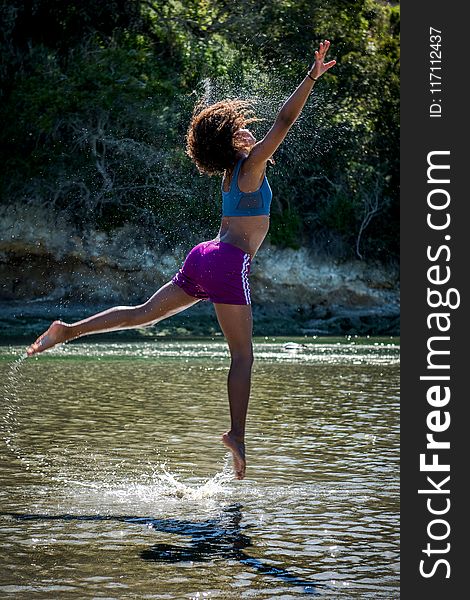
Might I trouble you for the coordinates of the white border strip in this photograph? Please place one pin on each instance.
(245, 282)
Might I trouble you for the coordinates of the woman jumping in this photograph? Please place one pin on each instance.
(217, 270)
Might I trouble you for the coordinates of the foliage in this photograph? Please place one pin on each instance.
(96, 96)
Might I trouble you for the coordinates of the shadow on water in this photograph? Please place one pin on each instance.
(217, 538)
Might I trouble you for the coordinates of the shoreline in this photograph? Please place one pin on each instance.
(26, 320)
(49, 271)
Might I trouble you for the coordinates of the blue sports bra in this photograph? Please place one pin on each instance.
(236, 203)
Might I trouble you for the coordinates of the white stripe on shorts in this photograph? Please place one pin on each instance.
(245, 282)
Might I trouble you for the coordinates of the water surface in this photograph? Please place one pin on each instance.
(115, 484)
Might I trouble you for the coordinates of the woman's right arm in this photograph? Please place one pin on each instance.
(290, 110)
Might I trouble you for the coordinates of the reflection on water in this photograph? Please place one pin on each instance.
(220, 538)
(115, 483)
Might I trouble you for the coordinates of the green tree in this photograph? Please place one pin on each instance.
(96, 96)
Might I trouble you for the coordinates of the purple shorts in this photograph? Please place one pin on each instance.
(216, 271)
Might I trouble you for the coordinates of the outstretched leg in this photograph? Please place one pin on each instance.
(167, 301)
(236, 323)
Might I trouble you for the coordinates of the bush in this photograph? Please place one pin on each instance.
(96, 98)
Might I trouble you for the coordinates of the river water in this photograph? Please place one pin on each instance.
(115, 484)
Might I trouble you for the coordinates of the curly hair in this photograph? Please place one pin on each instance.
(209, 141)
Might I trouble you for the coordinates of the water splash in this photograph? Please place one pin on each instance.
(158, 492)
(171, 486)
(36, 463)
(9, 422)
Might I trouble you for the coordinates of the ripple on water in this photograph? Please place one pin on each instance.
(112, 459)
(316, 352)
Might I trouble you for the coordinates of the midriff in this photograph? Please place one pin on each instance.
(246, 233)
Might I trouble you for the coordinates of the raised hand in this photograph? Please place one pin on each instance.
(319, 67)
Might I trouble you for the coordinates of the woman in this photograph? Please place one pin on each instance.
(217, 270)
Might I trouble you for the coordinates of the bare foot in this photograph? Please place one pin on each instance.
(237, 448)
(56, 334)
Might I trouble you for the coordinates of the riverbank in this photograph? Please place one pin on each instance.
(49, 271)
